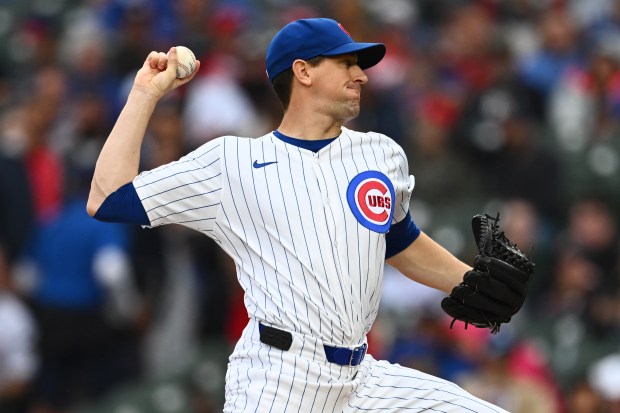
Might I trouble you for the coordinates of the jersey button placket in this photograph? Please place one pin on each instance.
(325, 197)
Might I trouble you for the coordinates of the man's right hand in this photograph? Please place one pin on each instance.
(157, 77)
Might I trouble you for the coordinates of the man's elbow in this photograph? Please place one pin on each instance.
(92, 206)
(95, 198)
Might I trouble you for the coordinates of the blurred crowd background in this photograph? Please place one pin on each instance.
(509, 106)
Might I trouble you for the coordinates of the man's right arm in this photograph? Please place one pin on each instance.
(119, 159)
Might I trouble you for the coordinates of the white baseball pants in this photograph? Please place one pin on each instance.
(262, 378)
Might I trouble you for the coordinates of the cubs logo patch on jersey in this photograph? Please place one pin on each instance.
(370, 195)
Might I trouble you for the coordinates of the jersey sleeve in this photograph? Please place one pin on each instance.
(403, 230)
(185, 192)
(123, 205)
(401, 235)
(403, 185)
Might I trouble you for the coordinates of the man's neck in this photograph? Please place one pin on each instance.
(309, 126)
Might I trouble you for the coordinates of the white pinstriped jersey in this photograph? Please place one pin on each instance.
(306, 230)
(307, 233)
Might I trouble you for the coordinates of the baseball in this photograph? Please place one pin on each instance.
(187, 62)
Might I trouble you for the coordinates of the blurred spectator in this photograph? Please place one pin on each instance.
(431, 346)
(76, 275)
(523, 226)
(587, 98)
(525, 169)
(397, 292)
(16, 216)
(86, 52)
(442, 175)
(603, 23)
(592, 229)
(559, 50)
(137, 27)
(582, 398)
(585, 109)
(501, 385)
(84, 131)
(604, 377)
(569, 332)
(18, 357)
(462, 57)
(387, 99)
(26, 137)
(217, 105)
(401, 317)
(586, 13)
(483, 112)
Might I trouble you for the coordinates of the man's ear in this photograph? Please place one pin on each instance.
(300, 71)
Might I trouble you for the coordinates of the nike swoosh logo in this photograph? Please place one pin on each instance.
(261, 165)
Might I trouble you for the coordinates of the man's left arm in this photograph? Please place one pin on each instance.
(488, 294)
(427, 262)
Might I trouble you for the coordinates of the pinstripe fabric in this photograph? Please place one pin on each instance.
(261, 378)
(306, 260)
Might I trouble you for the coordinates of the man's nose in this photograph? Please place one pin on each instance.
(359, 75)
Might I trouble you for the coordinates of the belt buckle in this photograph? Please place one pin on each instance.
(363, 349)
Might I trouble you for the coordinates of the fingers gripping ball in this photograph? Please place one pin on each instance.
(496, 288)
(187, 62)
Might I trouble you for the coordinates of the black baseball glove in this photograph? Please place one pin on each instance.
(495, 289)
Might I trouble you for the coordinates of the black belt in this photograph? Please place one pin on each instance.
(282, 340)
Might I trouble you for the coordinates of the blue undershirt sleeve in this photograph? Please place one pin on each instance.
(124, 206)
(400, 236)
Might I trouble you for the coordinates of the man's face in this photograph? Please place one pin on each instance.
(337, 83)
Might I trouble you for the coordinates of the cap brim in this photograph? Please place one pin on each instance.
(368, 54)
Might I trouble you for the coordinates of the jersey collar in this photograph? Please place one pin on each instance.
(313, 146)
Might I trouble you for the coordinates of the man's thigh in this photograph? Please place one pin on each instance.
(389, 387)
(256, 390)
(264, 379)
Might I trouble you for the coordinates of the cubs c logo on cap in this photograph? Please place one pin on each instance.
(371, 198)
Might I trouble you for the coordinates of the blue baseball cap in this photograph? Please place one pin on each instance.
(308, 38)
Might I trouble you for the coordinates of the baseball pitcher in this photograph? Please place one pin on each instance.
(310, 213)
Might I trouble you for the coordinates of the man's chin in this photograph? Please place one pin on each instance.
(353, 110)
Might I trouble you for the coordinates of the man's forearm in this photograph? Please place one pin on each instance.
(120, 157)
(428, 263)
